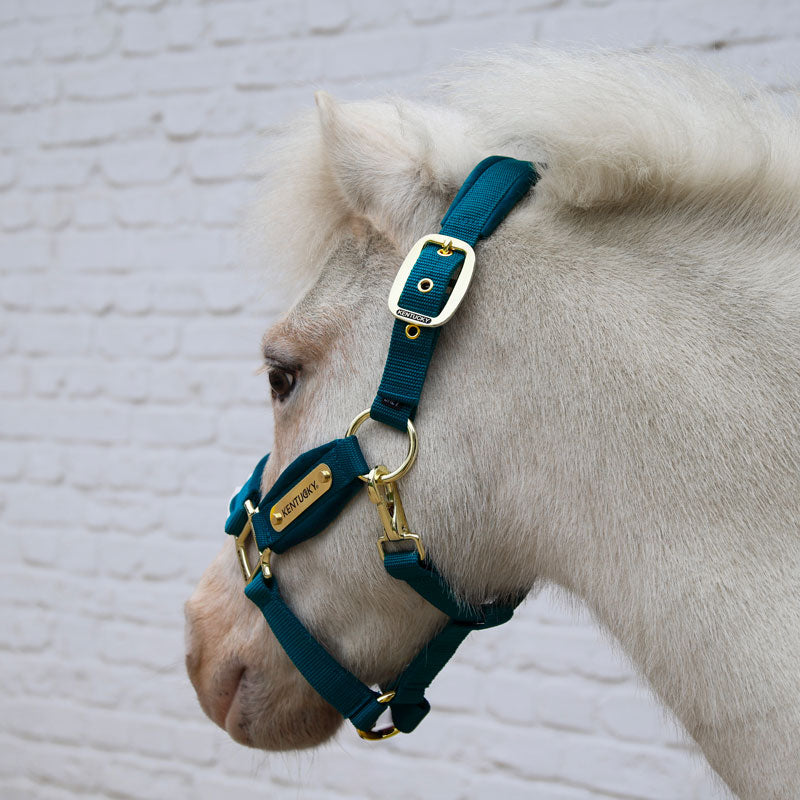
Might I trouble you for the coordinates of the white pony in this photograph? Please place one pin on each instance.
(615, 408)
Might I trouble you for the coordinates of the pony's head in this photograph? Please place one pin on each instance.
(367, 181)
(521, 409)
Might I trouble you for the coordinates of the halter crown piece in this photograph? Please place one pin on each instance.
(315, 487)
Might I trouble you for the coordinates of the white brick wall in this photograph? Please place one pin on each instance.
(128, 404)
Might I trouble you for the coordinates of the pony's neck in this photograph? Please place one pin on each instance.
(671, 433)
(717, 644)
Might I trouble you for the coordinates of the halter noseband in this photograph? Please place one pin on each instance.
(315, 487)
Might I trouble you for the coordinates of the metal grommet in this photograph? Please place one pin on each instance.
(413, 331)
(446, 249)
(410, 458)
(425, 285)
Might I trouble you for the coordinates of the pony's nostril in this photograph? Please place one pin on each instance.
(192, 665)
(216, 692)
(220, 696)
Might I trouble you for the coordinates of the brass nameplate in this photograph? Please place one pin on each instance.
(300, 497)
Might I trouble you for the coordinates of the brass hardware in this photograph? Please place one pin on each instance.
(383, 733)
(301, 497)
(266, 569)
(447, 246)
(377, 736)
(426, 284)
(386, 498)
(413, 331)
(410, 458)
(241, 547)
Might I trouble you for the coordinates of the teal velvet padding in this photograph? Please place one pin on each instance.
(251, 491)
(346, 462)
(486, 197)
(491, 190)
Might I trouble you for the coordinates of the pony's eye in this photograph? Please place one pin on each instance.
(281, 382)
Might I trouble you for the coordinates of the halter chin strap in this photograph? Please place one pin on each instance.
(317, 485)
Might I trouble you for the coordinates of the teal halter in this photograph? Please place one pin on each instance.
(315, 487)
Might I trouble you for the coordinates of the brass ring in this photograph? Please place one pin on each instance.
(425, 285)
(377, 736)
(410, 458)
(413, 331)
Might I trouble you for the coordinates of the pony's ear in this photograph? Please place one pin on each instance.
(394, 168)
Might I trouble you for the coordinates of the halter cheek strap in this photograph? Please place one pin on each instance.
(317, 485)
(492, 189)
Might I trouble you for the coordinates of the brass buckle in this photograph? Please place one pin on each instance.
(249, 571)
(386, 498)
(383, 733)
(447, 245)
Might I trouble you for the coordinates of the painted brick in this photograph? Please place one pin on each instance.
(69, 40)
(133, 164)
(91, 210)
(25, 86)
(92, 124)
(17, 43)
(57, 171)
(142, 34)
(121, 338)
(15, 215)
(101, 82)
(185, 72)
(51, 210)
(330, 17)
(14, 380)
(8, 171)
(48, 9)
(217, 161)
(184, 27)
(172, 427)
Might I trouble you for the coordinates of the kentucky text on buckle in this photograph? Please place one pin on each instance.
(448, 245)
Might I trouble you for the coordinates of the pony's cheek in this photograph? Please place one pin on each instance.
(244, 681)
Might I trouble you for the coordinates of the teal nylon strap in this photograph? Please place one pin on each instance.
(484, 200)
(492, 189)
(409, 704)
(425, 580)
(348, 695)
(352, 698)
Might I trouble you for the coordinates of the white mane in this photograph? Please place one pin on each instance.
(613, 129)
